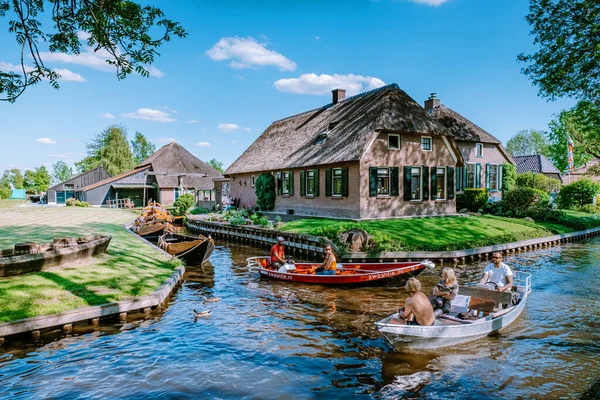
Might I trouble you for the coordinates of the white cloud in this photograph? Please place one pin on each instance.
(165, 140)
(83, 35)
(247, 53)
(248, 129)
(149, 114)
(324, 84)
(228, 127)
(430, 2)
(193, 121)
(203, 144)
(155, 72)
(106, 116)
(46, 140)
(65, 74)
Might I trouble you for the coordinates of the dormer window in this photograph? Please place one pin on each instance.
(393, 142)
(426, 143)
(321, 137)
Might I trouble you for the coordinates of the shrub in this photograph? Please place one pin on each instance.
(255, 218)
(474, 199)
(5, 193)
(577, 194)
(494, 208)
(509, 176)
(71, 202)
(199, 210)
(523, 199)
(538, 181)
(183, 204)
(265, 192)
(237, 220)
(82, 203)
(589, 209)
(264, 222)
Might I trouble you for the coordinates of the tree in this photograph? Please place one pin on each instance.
(118, 28)
(538, 181)
(216, 165)
(110, 149)
(141, 147)
(30, 181)
(38, 180)
(566, 33)
(528, 142)
(582, 124)
(61, 172)
(16, 178)
(5, 180)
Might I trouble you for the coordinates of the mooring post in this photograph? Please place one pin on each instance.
(147, 311)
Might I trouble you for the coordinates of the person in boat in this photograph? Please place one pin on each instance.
(329, 266)
(498, 273)
(278, 254)
(417, 309)
(444, 291)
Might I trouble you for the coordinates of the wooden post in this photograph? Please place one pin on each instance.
(147, 311)
(1, 341)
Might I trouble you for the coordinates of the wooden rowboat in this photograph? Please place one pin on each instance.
(32, 257)
(347, 274)
(153, 220)
(491, 311)
(195, 250)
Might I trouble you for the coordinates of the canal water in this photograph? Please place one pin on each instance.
(271, 340)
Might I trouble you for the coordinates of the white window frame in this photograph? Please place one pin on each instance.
(445, 183)
(333, 178)
(394, 135)
(389, 181)
(253, 181)
(467, 175)
(420, 182)
(479, 146)
(430, 143)
(306, 176)
(497, 178)
(285, 183)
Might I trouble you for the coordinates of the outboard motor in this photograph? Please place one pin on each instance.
(287, 267)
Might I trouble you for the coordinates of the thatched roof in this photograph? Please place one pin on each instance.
(462, 128)
(172, 160)
(350, 126)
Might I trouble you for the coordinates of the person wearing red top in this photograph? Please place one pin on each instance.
(277, 253)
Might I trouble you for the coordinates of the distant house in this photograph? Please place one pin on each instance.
(374, 155)
(163, 176)
(582, 171)
(483, 154)
(537, 164)
(58, 194)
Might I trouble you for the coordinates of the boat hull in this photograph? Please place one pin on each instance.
(193, 250)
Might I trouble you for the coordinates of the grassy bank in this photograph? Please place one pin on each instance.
(130, 268)
(433, 234)
(7, 203)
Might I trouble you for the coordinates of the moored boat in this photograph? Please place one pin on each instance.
(489, 311)
(346, 274)
(195, 250)
(32, 257)
(153, 220)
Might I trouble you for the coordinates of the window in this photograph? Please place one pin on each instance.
(471, 180)
(426, 143)
(493, 177)
(337, 181)
(253, 181)
(383, 181)
(285, 183)
(394, 142)
(310, 182)
(440, 182)
(479, 150)
(177, 193)
(69, 186)
(321, 137)
(416, 189)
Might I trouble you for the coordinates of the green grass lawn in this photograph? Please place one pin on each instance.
(432, 234)
(6, 203)
(130, 268)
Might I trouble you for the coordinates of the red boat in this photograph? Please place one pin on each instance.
(346, 274)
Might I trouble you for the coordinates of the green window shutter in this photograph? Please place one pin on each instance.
(328, 182)
(425, 183)
(450, 177)
(478, 175)
(407, 179)
(433, 183)
(457, 179)
(500, 172)
(464, 182)
(372, 181)
(279, 184)
(345, 182)
(394, 181)
(487, 176)
(291, 183)
(302, 183)
(316, 182)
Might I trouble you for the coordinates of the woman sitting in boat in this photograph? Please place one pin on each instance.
(417, 309)
(329, 266)
(445, 291)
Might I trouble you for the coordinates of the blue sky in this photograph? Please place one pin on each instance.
(245, 64)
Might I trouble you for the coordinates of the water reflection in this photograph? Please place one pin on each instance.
(269, 339)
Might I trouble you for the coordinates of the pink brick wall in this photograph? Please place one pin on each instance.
(491, 155)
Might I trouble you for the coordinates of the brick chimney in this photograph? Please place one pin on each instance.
(338, 95)
(432, 102)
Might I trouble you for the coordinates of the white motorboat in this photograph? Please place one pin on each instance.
(491, 311)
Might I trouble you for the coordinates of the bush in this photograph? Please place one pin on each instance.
(199, 210)
(183, 204)
(5, 193)
(71, 202)
(237, 220)
(264, 222)
(82, 203)
(265, 192)
(509, 177)
(474, 199)
(577, 194)
(589, 209)
(255, 218)
(538, 181)
(523, 199)
(494, 208)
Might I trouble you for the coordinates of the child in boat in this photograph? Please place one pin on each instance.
(445, 291)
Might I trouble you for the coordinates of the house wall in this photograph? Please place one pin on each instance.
(167, 196)
(410, 153)
(491, 155)
(85, 179)
(97, 196)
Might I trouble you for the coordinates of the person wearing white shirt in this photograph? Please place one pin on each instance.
(498, 273)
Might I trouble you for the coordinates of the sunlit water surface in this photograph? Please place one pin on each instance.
(267, 339)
